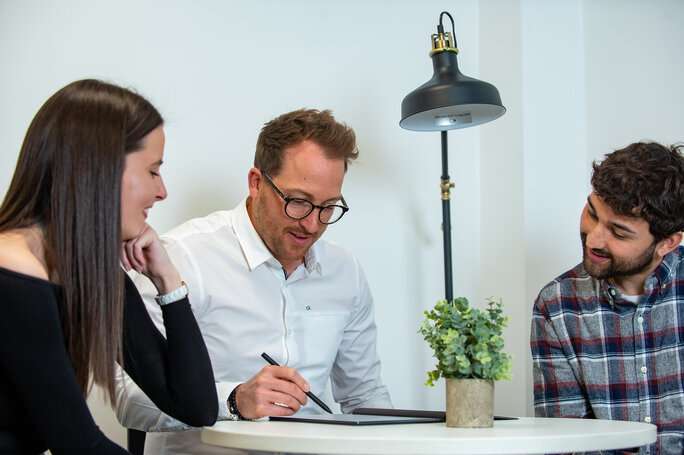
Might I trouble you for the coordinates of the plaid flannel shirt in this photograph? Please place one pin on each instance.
(598, 355)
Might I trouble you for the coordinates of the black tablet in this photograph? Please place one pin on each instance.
(354, 419)
(441, 415)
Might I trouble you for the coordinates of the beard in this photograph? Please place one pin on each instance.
(616, 267)
(274, 231)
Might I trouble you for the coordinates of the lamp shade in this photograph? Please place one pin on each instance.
(450, 100)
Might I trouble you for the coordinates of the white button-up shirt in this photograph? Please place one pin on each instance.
(319, 320)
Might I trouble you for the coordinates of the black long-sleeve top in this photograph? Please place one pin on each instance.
(41, 404)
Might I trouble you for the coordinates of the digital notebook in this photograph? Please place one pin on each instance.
(441, 415)
(354, 419)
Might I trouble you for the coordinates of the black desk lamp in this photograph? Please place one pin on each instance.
(448, 101)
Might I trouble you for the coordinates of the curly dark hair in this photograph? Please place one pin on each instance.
(337, 139)
(644, 180)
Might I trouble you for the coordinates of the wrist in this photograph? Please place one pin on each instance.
(175, 295)
(168, 280)
(232, 406)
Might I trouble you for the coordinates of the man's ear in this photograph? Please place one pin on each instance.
(669, 243)
(254, 182)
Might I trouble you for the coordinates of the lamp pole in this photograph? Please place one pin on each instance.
(449, 100)
(446, 186)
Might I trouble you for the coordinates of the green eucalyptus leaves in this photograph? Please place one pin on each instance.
(467, 342)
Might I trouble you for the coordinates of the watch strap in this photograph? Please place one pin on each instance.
(173, 296)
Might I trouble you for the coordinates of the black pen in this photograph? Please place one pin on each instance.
(308, 394)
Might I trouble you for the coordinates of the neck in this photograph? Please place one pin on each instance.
(627, 286)
(633, 284)
(35, 242)
(288, 266)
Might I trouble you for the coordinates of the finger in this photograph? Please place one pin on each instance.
(124, 258)
(139, 253)
(258, 397)
(278, 409)
(154, 256)
(130, 253)
(292, 375)
(276, 403)
(279, 380)
(142, 243)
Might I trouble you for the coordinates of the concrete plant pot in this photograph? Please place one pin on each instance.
(469, 403)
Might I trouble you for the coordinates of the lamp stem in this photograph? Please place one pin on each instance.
(446, 186)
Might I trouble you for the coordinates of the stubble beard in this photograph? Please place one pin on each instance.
(614, 268)
(275, 237)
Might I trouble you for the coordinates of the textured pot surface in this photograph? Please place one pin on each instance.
(469, 403)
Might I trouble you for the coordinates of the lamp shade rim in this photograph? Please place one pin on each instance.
(451, 117)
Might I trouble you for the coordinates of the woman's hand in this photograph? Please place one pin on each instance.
(147, 255)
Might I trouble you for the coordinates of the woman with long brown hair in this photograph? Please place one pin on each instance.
(75, 211)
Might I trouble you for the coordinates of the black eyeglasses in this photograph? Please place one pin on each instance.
(298, 209)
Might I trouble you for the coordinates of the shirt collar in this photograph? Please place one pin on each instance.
(663, 275)
(667, 269)
(253, 247)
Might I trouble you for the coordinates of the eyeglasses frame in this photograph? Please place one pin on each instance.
(320, 208)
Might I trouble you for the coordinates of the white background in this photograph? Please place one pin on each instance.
(579, 79)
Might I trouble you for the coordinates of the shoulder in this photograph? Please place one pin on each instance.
(17, 256)
(676, 257)
(205, 225)
(330, 253)
(339, 264)
(575, 273)
(574, 284)
(332, 248)
(197, 234)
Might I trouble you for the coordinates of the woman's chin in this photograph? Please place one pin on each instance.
(131, 233)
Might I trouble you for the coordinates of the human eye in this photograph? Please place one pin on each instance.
(618, 235)
(591, 214)
(298, 208)
(300, 203)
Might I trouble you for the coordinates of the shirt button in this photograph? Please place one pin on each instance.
(644, 369)
(612, 292)
(647, 420)
(640, 319)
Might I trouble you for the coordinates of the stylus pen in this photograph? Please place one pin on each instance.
(308, 394)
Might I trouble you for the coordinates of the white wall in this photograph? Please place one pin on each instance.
(579, 78)
(555, 171)
(597, 76)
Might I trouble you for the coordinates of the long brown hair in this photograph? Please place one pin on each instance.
(68, 180)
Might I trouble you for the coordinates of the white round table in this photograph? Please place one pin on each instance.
(527, 435)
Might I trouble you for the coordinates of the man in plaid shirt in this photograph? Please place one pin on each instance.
(607, 336)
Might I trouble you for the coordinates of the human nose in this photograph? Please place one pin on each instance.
(161, 190)
(596, 237)
(310, 222)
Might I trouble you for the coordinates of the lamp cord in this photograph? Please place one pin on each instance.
(440, 27)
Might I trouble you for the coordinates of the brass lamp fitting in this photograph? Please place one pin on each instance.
(442, 42)
(446, 186)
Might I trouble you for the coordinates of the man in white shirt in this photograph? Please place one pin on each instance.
(262, 280)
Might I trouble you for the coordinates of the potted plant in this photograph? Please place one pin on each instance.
(467, 344)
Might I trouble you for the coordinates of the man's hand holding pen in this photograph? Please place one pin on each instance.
(275, 390)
